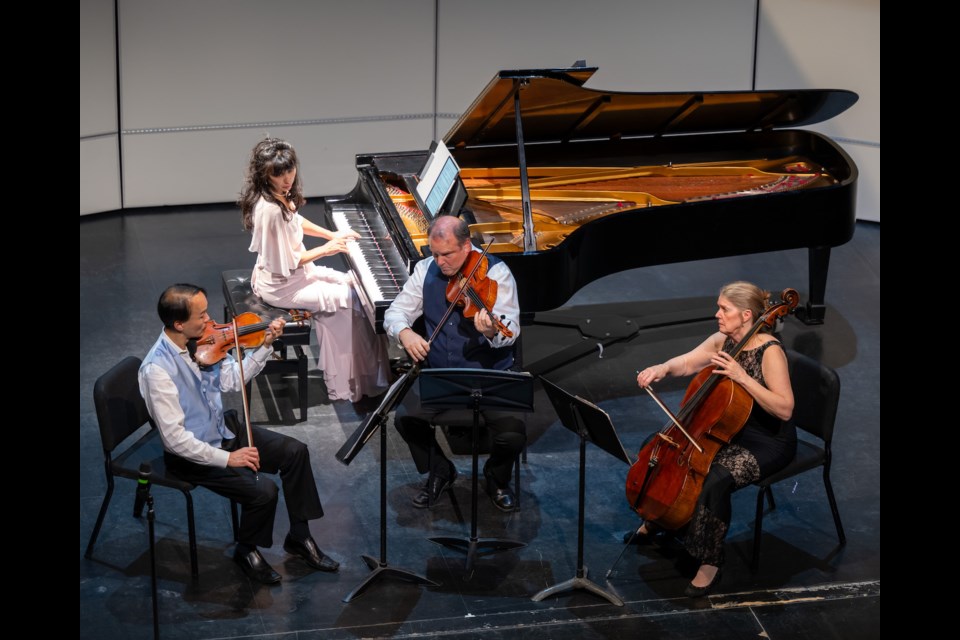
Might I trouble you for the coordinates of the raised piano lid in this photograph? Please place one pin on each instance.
(556, 107)
(565, 124)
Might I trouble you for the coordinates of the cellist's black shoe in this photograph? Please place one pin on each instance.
(256, 567)
(698, 592)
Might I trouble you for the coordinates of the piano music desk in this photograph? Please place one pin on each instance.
(239, 299)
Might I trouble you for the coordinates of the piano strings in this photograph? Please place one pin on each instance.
(563, 198)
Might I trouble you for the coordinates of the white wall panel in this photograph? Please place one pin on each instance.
(654, 45)
(825, 44)
(868, 185)
(98, 68)
(830, 44)
(208, 166)
(99, 154)
(99, 175)
(187, 63)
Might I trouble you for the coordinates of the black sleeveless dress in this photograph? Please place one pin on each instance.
(771, 441)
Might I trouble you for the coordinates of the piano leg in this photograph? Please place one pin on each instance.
(818, 264)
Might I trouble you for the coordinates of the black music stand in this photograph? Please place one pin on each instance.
(592, 423)
(349, 450)
(476, 389)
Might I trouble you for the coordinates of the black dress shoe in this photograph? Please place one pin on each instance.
(308, 550)
(503, 499)
(256, 567)
(698, 592)
(431, 491)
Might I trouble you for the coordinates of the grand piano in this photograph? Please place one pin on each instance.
(571, 184)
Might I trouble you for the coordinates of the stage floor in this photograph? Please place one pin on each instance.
(807, 586)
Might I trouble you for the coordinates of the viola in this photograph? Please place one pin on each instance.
(476, 292)
(218, 339)
(664, 483)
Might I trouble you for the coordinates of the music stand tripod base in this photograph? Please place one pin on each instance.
(578, 582)
(379, 567)
(476, 389)
(590, 423)
(476, 547)
(382, 570)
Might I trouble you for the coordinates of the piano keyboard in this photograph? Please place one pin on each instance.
(374, 259)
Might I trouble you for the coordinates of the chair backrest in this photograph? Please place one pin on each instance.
(816, 391)
(120, 407)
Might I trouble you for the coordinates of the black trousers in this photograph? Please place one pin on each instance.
(257, 494)
(414, 422)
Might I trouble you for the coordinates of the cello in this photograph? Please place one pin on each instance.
(664, 483)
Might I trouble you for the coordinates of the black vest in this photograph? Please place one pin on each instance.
(458, 344)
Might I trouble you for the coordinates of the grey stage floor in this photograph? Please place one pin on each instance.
(807, 586)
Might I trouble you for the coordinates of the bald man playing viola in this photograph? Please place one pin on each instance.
(461, 342)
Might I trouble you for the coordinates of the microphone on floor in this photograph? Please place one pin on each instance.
(143, 489)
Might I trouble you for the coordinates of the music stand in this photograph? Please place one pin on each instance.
(591, 423)
(476, 389)
(349, 450)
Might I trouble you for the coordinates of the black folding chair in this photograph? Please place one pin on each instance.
(816, 390)
(121, 413)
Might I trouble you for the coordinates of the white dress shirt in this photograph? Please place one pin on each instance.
(163, 404)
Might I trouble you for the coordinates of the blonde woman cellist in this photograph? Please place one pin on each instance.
(765, 444)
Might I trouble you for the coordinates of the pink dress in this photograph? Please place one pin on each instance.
(353, 358)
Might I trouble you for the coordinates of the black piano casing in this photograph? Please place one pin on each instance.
(816, 218)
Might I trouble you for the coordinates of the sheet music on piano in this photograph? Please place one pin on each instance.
(439, 177)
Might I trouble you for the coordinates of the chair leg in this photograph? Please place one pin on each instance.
(101, 515)
(302, 381)
(770, 500)
(192, 529)
(758, 531)
(516, 478)
(235, 519)
(833, 504)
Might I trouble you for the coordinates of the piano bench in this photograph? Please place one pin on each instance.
(240, 298)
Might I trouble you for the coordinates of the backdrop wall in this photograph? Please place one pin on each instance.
(173, 95)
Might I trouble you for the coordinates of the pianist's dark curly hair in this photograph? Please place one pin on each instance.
(271, 157)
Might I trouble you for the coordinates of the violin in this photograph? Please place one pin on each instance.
(218, 339)
(476, 292)
(664, 483)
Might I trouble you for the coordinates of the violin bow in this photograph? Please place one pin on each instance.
(243, 390)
